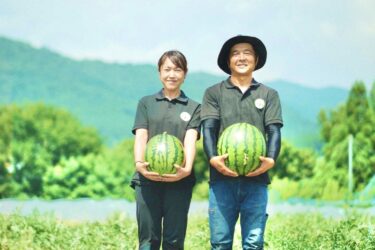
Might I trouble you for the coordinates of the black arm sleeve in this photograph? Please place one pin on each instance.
(273, 140)
(210, 136)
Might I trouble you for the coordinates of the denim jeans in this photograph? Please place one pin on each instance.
(229, 199)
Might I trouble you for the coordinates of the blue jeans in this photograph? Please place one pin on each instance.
(227, 200)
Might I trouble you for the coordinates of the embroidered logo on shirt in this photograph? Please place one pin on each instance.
(260, 103)
(185, 116)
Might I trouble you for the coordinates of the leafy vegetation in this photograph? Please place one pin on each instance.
(301, 231)
(46, 152)
(355, 117)
(313, 231)
(294, 163)
(36, 137)
(301, 174)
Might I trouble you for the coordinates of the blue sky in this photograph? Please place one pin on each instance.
(314, 43)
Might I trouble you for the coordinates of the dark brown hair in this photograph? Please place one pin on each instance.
(177, 59)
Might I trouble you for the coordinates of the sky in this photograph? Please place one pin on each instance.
(310, 42)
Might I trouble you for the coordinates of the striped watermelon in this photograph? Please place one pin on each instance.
(162, 152)
(243, 143)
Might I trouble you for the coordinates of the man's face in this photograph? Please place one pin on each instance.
(242, 59)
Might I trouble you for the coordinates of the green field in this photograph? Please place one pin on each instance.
(300, 231)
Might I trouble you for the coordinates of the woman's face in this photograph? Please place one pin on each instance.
(171, 75)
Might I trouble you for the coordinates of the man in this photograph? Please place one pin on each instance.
(240, 99)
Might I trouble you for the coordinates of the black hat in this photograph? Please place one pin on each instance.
(257, 44)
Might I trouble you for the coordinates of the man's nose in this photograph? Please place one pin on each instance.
(242, 56)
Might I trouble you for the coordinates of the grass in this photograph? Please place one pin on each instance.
(300, 231)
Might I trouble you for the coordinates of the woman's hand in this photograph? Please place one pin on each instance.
(181, 172)
(141, 168)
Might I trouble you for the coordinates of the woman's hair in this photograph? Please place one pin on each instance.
(177, 59)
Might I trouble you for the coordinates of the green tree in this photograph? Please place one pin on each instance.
(201, 170)
(5, 139)
(355, 117)
(293, 163)
(372, 96)
(201, 166)
(37, 136)
(121, 162)
(93, 176)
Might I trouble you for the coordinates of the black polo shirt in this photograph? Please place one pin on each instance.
(158, 114)
(259, 106)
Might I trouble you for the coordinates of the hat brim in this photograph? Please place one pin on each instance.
(257, 44)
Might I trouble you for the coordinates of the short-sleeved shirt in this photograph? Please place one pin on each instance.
(259, 106)
(158, 114)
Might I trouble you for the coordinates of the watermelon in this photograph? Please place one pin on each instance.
(243, 143)
(162, 152)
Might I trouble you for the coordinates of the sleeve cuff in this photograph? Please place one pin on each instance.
(138, 127)
(277, 121)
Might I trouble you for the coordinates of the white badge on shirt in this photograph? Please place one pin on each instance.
(260, 103)
(185, 116)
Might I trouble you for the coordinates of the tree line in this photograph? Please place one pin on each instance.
(46, 152)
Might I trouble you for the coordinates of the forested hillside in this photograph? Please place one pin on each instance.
(104, 95)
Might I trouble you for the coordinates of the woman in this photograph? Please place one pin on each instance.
(163, 201)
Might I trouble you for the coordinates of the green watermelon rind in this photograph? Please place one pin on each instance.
(162, 162)
(243, 152)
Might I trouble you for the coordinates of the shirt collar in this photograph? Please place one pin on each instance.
(181, 98)
(229, 85)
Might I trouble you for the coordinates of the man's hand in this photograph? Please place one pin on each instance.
(267, 163)
(141, 167)
(218, 162)
(181, 173)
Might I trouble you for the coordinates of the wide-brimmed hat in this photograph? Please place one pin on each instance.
(260, 50)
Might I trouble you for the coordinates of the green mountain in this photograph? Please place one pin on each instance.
(105, 95)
